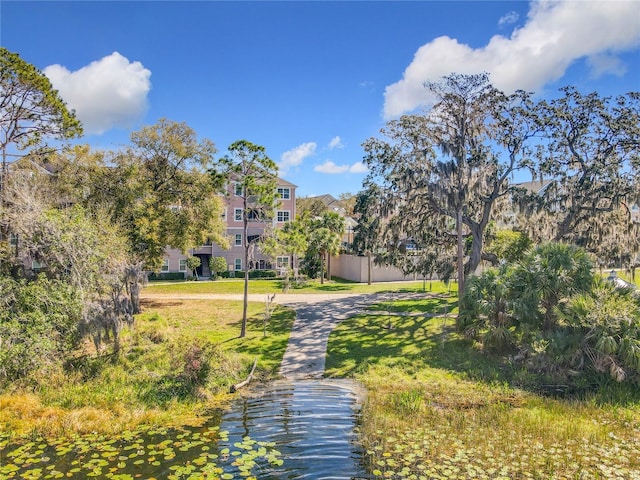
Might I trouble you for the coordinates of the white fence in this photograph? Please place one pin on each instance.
(356, 269)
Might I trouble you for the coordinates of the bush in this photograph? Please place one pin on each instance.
(608, 321)
(166, 276)
(218, 266)
(232, 274)
(200, 364)
(562, 320)
(263, 274)
(39, 326)
(196, 364)
(253, 274)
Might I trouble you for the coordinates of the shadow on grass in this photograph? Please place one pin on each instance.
(269, 348)
(147, 303)
(436, 305)
(423, 341)
(333, 288)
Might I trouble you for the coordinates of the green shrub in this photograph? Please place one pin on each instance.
(218, 266)
(263, 274)
(608, 321)
(562, 321)
(166, 276)
(39, 325)
(253, 274)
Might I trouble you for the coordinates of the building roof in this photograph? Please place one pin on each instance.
(534, 186)
(329, 201)
(284, 183)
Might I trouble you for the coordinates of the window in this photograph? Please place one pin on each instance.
(183, 265)
(253, 238)
(253, 215)
(282, 262)
(13, 239)
(165, 265)
(237, 264)
(238, 241)
(36, 266)
(237, 189)
(284, 193)
(283, 216)
(237, 214)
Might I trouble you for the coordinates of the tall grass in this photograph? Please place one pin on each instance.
(437, 407)
(143, 384)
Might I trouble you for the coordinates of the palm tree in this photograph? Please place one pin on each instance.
(325, 242)
(324, 238)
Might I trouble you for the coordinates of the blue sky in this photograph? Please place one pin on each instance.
(310, 81)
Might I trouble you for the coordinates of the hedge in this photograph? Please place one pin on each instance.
(166, 276)
(253, 274)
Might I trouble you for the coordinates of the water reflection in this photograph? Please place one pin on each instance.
(312, 422)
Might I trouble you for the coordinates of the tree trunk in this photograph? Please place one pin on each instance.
(245, 300)
(460, 251)
(369, 269)
(476, 252)
(328, 266)
(134, 296)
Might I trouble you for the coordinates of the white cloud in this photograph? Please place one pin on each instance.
(601, 64)
(509, 18)
(555, 35)
(331, 168)
(295, 156)
(358, 167)
(110, 92)
(336, 142)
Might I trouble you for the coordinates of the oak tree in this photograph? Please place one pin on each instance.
(453, 162)
(160, 190)
(589, 163)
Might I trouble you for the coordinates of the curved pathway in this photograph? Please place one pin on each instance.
(316, 317)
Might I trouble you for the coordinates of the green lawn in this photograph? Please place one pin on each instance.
(437, 407)
(627, 276)
(264, 286)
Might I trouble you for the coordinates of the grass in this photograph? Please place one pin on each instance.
(265, 286)
(143, 385)
(437, 407)
(625, 275)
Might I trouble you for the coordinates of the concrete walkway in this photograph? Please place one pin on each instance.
(316, 317)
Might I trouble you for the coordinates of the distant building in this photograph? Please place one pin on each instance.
(336, 206)
(175, 260)
(332, 204)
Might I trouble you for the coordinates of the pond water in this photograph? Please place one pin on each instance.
(305, 429)
(313, 423)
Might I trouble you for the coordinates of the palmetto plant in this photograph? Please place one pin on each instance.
(486, 310)
(608, 320)
(547, 277)
(551, 309)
